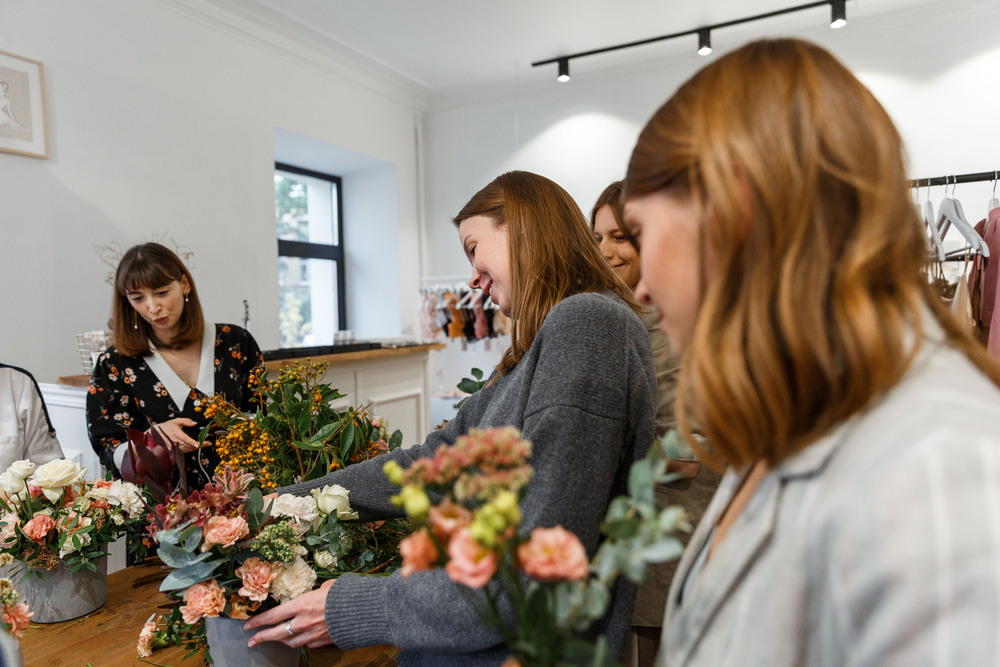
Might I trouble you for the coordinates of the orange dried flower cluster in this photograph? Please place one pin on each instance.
(249, 447)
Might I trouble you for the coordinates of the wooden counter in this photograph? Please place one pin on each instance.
(108, 635)
(362, 355)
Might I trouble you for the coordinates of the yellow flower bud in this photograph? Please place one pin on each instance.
(506, 504)
(483, 533)
(394, 472)
(416, 504)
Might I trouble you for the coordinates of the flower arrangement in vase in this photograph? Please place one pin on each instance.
(55, 523)
(554, 593)
(236, 552)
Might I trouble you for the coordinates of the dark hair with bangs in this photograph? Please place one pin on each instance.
(148, 266)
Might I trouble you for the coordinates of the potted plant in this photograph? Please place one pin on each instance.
(56, 525)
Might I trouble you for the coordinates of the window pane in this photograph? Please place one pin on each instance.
(307, 293)
(305, 208)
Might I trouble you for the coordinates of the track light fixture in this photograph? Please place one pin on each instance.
(838, 13)
(838, 19)
(704, 42)
(563, 70)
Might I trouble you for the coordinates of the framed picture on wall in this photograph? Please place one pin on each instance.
(22, 107)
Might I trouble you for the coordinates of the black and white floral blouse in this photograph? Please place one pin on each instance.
(136, 392)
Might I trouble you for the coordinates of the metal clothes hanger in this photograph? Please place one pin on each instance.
(994, 202)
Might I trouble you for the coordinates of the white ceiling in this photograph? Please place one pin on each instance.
(445, 45)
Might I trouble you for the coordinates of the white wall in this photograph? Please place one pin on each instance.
(161, 120)
(934, 67)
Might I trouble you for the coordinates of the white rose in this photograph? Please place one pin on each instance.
(54, 476)
(12, 485)
(21, 469)
(300, 508)
(325, 560)
(127, 496)
(68, 547)
(334, 498)
(293, 581)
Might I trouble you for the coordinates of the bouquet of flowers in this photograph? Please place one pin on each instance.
(50, 514)
(296, 434)
(554, 592)
(16, 616)
(235, 552)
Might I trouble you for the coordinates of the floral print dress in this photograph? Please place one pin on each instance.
(137, 392)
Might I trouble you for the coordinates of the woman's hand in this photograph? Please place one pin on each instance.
(306, 619)
(173, 432)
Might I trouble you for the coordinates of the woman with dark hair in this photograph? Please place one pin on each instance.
(696, 483)
(857, 521)
(577, 381)
(164, 361)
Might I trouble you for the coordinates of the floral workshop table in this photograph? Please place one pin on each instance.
(108, 635)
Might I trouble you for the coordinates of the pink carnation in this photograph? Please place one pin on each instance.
(447, 517)
(471, 563)
(553, 553)
(203, 599)
(17, 617)
(145, 645)
(224, 531)
(418, 552)
(257, 576)
(38, 527)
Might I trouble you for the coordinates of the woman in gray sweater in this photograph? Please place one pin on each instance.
(577, 380)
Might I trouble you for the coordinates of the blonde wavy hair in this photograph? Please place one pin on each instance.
(813, 302)
(552, 252)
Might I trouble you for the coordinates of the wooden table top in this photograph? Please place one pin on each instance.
(108, 635)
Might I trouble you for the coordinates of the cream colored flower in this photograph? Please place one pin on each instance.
(293, 581)
(300, 508)
(13, 485)
(325, 559)
(334, 498)
(21, 469)
(6, 558)
(127, 496)
(56, 475)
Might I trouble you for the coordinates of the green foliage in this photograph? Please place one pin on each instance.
(471, 385)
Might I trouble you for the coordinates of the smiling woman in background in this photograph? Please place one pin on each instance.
(693, 491)
(858, 521)
(164, 361)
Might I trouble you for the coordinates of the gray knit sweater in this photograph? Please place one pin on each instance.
(584, 394)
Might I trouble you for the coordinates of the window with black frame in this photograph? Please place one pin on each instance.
(307, 207)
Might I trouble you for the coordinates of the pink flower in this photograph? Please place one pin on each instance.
(17, 617)
(511, 662)
(38, 527)
(224, 531)
(553, 553)
(257, 576)
(8, 534)
(471, 563)
(203, 599)
(447, 517)
(418, 552)
(34, 491)
(145, 646)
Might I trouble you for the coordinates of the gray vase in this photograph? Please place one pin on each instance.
(60, 595)
(227, 644)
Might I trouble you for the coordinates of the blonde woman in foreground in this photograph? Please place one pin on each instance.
(859, 519)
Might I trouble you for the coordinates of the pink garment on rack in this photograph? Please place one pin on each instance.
(479, 326)
(990, 231)
(988, 311)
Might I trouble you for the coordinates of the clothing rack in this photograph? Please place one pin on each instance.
(957, 178)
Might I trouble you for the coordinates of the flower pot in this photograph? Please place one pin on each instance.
(61, 595)
(227, 644)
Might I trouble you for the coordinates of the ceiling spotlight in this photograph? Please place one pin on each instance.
(704, 42)
(563, 70)
(838, 13)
